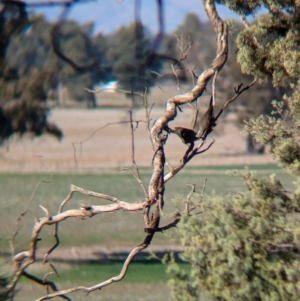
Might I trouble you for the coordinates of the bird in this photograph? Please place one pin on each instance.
(187, 136)
(205, 126)
(207, 121)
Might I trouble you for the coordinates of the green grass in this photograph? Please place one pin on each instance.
(141, 281)
(90, 273)
(107, 230)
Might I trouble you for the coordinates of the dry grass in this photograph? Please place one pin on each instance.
(111, 146)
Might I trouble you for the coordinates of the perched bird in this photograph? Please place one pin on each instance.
(207, 121)
(186, 135)
(204, 126)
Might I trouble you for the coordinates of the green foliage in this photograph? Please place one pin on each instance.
(181, 283)
(31, 71)
(243, 8)
(269, 48)
(24, 77)
(245, 245)
(281, 134)
(240, 246)
(13, 20)
(131, 54)
(78, 44)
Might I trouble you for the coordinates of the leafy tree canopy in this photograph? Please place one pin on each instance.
(245, 246)
(130, 50)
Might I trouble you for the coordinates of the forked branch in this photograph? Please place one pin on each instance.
(153, 203)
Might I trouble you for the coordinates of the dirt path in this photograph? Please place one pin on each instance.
(111, 146)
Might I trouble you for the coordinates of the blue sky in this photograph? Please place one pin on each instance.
(108, 15)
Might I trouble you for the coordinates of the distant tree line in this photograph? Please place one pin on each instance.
(37, 57)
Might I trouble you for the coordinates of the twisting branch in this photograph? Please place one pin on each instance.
(209, 122)
(117, 278)
(222, 49)
(24, 259)
(55, 41)
(156, 186)
(153, 203)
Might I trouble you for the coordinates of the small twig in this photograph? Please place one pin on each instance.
(45, 210)
(46, 283)
(136, 173)
(182, 163)
(206, 149)
(166, 227)
(177, 78)
(184, 49)
(93, 133)
(238, 91)
(188, 199)
(203, 191)
(171, 168)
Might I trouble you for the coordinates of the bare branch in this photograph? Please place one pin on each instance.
(24, 259)
(172, 224)
(147, 115)
(136, 172)
(238, 91)
(25, 212)
(188, 199)
(184, 161)
(171, 109)
(55, 41)
(117, 278)
(44, 282)
(93, 133)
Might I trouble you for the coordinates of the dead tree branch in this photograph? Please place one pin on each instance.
(24, 259)
(101, 285)
(153, 203)
(46, 283)
(93, 133)
(238, 91)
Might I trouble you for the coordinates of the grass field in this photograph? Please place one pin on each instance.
(120, 229)
(25, 163)
(142, 280)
